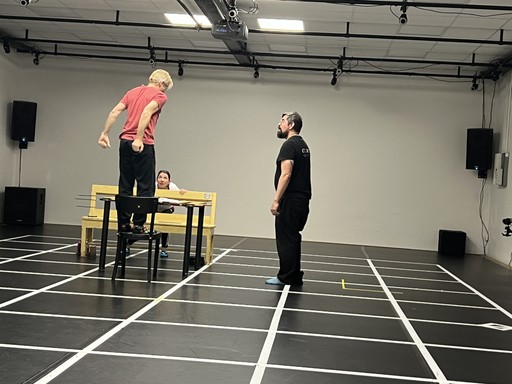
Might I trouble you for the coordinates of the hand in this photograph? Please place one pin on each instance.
(137, 145)
(183, 191)
(104, 141)
(274, 209)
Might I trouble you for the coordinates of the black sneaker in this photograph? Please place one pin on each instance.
(126, 228)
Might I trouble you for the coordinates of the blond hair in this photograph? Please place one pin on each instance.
(159, 76)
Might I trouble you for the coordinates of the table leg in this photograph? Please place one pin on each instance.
(104, 233)
(188, 237)
(199, 240)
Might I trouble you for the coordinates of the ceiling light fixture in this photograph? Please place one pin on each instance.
(281, 25)
(184, 20)
(403, 17)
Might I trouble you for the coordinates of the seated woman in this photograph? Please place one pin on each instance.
(164, 181)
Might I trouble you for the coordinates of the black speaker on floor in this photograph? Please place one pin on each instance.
(24, 205)
(479, 149)
(23, 120)
(451, 243)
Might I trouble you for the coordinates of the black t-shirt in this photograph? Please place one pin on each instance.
(296, 149)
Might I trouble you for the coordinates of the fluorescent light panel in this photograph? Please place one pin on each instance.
(281, 24)
(183, 19)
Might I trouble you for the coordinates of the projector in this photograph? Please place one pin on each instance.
(230, 30)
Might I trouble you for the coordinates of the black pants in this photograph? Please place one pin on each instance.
(139, 167)
(293, 214)
(165, 240)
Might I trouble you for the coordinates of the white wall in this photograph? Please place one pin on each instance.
(388, 154)
(500, 247)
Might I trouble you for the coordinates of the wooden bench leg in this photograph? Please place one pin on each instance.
(86, 239)
(209, 249)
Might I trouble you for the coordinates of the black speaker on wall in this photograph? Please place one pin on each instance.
(23, 121)
(24, 205)
(479, 149)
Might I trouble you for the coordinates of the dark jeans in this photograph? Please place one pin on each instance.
(293, 214)
(136, 167)
(165, 240)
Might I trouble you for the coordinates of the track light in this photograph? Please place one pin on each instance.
(402, 19)
(7, 46)
(334, 79)
(495, 75)
(337, 72)
(233, 13)
(180, 68)
(256, 72)
(474, 84)
(508, 231)
(152, 57)
(24, 3)
(36, 58)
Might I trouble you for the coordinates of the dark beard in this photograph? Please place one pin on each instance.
(281, 134)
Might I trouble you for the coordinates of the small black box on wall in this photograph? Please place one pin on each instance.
(451, 243)
(24, 205)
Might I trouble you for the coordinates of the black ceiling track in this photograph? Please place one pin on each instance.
(414, 4)
(246, 53)
(346, 35)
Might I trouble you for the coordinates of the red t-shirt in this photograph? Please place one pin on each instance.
(136, 100)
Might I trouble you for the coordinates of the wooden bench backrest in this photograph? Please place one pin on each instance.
(96, 205)
(209, 198)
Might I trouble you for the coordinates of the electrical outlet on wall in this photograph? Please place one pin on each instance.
(500, 169)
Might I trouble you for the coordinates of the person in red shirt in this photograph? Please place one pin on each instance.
(136, 148)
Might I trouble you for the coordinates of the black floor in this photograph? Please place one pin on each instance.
(364, 315)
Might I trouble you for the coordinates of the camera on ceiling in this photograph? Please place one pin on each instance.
(233, 13)
(24, 3)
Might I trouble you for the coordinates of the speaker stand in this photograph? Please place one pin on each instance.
(19, 168)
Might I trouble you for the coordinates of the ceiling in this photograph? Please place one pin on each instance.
(451, 41)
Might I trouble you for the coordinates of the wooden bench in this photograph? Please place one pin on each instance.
(165, 222)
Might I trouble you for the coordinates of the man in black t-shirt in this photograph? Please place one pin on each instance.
(290, 206)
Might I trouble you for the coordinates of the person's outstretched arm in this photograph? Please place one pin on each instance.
(104, 140)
